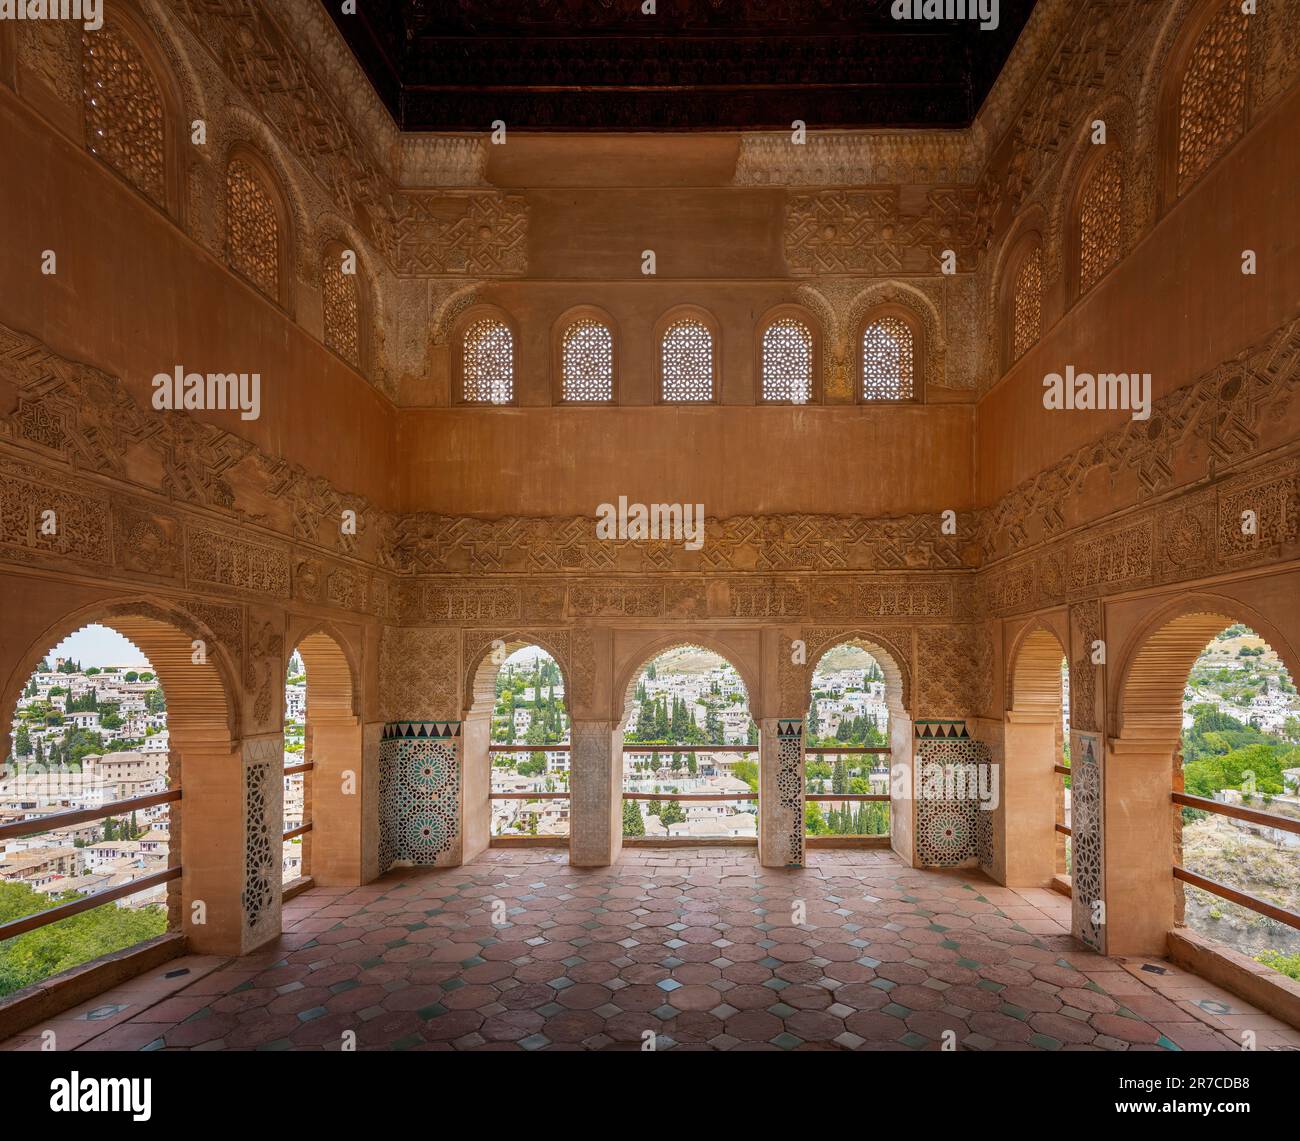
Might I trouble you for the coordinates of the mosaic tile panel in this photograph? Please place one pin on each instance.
(419, 792)
(1086, 855)
(950, 768)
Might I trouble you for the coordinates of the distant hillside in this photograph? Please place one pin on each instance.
(688, 660)
(845, 658)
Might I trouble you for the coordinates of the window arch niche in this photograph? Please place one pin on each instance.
(1022, 301)
(788, 355)
(258, 235)
(890, 347)
(132, 110)
(483, 347)
(585, 357)
(343, 303)
(1205, 96)
(1098, 218)
(687, 341)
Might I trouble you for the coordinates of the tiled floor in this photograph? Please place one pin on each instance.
(701, 948)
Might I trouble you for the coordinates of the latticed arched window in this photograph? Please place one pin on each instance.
(125, 121)
(488, 360)
(888, 360)
(1027, 304)
(587, 361)
(342, 300)
(1212, 99)
(252, 228)
(688, 361)
(1099, 220)
(787, 361)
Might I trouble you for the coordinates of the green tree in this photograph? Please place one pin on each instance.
(35, 956)
(840, 779)
(814, 823)
(672, 813)
(713, 727)
(748, 772)
(23, 741)
(633, 824)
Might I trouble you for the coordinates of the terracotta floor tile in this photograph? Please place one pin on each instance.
(698, 947)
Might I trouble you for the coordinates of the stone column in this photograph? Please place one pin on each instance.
(596, 793)
(337, 800)
(1138, 829)
(1028, 833)
(476, 784)
(780, 793)
(230, 835)
(902, 802)
(420, 794)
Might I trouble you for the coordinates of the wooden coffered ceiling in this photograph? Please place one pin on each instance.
(695, 65)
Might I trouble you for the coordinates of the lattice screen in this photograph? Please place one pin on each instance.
(587, 361)
(1027, 304)
(787, 361)
(489, 363)
(1100, 220)
(688, 362)
(252, 228)
(1212, 100)
(342, 310)
(888, 360)
(124, 111)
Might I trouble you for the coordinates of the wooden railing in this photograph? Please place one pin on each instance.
(306, 825)
(39, 825)
(1223, 891)
(1064, 771)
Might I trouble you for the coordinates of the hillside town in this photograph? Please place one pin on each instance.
(86, 737)
(82, 739)
(295, 784)
(693, 704)
(1241, 746)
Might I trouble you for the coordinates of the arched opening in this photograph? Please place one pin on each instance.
(1240, 749)
(259, 234)
(133, 110)
(109, 724)
(690, 751)
(483, 356)
(1186, 742)
(89, 733)
(788, 355)
(688, 340)
(344, 318)
(1205, 95)
(1035, 800)
(846, 746)
(324, 789)
(889, 361)
(297, 790)
(515, 749)
(529, 795)
(585, 356)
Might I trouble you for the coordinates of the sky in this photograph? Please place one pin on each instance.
(98, 646)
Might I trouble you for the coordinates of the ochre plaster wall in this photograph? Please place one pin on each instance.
(134, 296)
(1177, 306)
(770, 460)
